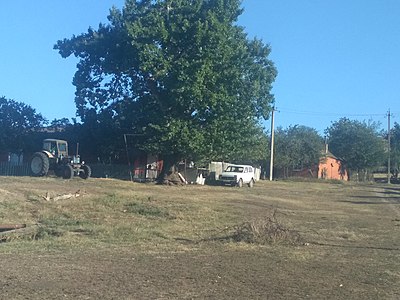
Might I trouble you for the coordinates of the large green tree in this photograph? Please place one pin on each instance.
(297, 147)
(395, 148)
(180, 72)
(17, 123)
(360, 144)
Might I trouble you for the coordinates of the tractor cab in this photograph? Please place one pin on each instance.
(57, 148)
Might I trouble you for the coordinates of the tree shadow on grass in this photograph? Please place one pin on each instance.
(378, 200)
(390, 191)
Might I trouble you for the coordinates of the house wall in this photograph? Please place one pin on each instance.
(146, 167)
(153, 167)
(332, 168)
(14, 159)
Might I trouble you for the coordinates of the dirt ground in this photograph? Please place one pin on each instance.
(351, 248)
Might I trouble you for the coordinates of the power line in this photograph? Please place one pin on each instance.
(300, 112)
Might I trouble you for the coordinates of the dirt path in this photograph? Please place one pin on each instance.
(249, 274)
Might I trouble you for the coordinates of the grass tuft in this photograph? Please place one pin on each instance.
(145, 209)
(44, 232)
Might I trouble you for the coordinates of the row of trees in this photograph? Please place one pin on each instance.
(362, 145)
(18, 122)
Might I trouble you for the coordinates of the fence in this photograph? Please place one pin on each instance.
(110, 171)
(98, 170)
(118, 171)
(10, 169)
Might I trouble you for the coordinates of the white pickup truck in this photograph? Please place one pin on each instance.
(237, 175)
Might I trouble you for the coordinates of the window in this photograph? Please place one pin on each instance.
(62, 147)
(47, 146)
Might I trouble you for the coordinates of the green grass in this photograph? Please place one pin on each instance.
(145, 209)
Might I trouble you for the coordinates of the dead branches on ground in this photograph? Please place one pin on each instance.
(62, 197)
(266, 230)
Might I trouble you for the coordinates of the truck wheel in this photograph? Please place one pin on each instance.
(86, 173)
(68, 172)
(39, 164)
(251, 183)
(240, 183)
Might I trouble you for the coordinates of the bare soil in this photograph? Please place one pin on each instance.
(351, 247)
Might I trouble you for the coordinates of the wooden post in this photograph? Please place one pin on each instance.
(271, 165)
(389, 174)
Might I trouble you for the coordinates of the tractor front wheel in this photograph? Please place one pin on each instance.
(68, 172)
(86, 172)
(39, 164)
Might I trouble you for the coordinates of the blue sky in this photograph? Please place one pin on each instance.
(334, 58)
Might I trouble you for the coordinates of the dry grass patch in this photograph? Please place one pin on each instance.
(265, 231)
(201, 241)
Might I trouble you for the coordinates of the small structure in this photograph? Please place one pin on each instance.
(331, 167)
(146, 167)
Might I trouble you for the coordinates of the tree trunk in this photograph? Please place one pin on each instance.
(349, 175)
(169, 163)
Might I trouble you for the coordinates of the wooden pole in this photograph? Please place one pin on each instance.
(389, 174)
(271, 165)
(127, 156)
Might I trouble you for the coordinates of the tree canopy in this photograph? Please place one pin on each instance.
(297, 147)
(182, 73)
(359, 143)
(17, 121)
(395, 147)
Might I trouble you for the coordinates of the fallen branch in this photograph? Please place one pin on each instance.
(5, 227)
(62, 197)
(18, 233)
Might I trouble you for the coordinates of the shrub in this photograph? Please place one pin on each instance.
(267, 230)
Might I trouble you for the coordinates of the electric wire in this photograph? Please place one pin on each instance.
(323, 114)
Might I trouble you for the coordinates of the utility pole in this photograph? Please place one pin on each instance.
(271, 165)
(389, 174)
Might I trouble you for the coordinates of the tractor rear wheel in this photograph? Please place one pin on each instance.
(86, 173)
(68, 172)
(39, 164)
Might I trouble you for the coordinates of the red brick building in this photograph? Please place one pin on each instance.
(331, 167)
